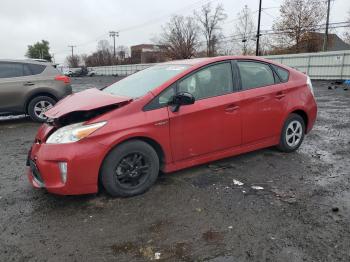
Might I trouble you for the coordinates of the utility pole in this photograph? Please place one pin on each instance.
(325, 39)
(113, 34)
(258, 32)
(72, 47)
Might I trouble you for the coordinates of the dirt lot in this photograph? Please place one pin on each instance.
(300, 213)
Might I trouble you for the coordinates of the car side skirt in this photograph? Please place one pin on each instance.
(268, 142)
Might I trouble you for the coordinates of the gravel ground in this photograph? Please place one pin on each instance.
(290, 207)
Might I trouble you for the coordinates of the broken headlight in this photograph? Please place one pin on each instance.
(73, 133)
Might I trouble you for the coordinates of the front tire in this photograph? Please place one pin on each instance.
(130, 169)
(38, 106)
(293, 133)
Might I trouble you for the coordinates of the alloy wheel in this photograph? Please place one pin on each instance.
(294, 133)
(41, 107)
(132, 170)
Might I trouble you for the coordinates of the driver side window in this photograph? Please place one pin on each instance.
(215, 80)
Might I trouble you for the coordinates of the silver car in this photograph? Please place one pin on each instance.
(30, 87)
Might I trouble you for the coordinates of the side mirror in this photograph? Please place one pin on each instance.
(181, 99)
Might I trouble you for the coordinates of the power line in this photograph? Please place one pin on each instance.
(149, 22)
(155, 20)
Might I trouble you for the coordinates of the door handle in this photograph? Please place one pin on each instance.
(29, 84)
(280, 95)
(231, 108)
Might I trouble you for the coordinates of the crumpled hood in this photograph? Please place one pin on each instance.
(86, 100)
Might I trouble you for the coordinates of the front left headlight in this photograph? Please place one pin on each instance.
(73, 133)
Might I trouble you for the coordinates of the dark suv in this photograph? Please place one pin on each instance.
(30, 87)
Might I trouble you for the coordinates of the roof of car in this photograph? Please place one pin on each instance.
(206, 60)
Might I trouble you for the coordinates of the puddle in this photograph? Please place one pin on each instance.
(213, 236)
(159, 226)
(205, 180)
(180, 251)
(222, 259)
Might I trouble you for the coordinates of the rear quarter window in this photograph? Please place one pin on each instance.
(36, 69)
(281, 72)
(255, 74)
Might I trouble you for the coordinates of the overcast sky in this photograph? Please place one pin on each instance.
(84, 22)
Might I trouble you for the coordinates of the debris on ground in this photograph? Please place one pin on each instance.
(335, 209)
(157, 255)
(237, 183)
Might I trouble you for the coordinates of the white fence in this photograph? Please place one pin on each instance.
(323, 65)
(120, 70)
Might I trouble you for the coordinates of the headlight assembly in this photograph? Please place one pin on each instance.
(73, 133)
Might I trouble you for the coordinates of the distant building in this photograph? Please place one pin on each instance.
(315, 44)
(148, 53)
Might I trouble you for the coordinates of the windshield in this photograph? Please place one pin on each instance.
(140, 83)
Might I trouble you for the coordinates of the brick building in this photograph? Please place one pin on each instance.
(148, 53)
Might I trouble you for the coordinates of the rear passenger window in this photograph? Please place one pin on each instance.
(255, 74)
(11, 70)
(8, 69)
(282, 73)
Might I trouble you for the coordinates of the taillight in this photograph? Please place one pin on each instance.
(65, 79)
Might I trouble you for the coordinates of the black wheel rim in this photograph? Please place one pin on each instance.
(132, 170)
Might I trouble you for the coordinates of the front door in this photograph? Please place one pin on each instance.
(213, 122)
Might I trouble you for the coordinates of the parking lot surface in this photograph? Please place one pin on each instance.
(261, 206)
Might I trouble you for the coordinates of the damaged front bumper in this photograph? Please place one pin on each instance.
(66, 169)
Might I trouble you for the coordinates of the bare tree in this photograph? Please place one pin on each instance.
(73, 61)
(122, 52)
(103, 45)
(297, 19)
(245, 30)
(209, 21)
(180, 35)
(103, 56)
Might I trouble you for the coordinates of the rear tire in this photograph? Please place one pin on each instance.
(130, 169)
(292, 134)
(38, 106)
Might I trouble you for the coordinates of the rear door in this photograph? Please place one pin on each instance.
(262, 101)
(11, 84)
(213, 122)
(16, 80)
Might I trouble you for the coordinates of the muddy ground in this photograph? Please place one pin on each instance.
(300, 213)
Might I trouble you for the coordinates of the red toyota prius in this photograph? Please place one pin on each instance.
(168, 117)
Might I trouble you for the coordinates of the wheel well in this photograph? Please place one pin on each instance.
(36, 95)
(303, 115)
(154, 144)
